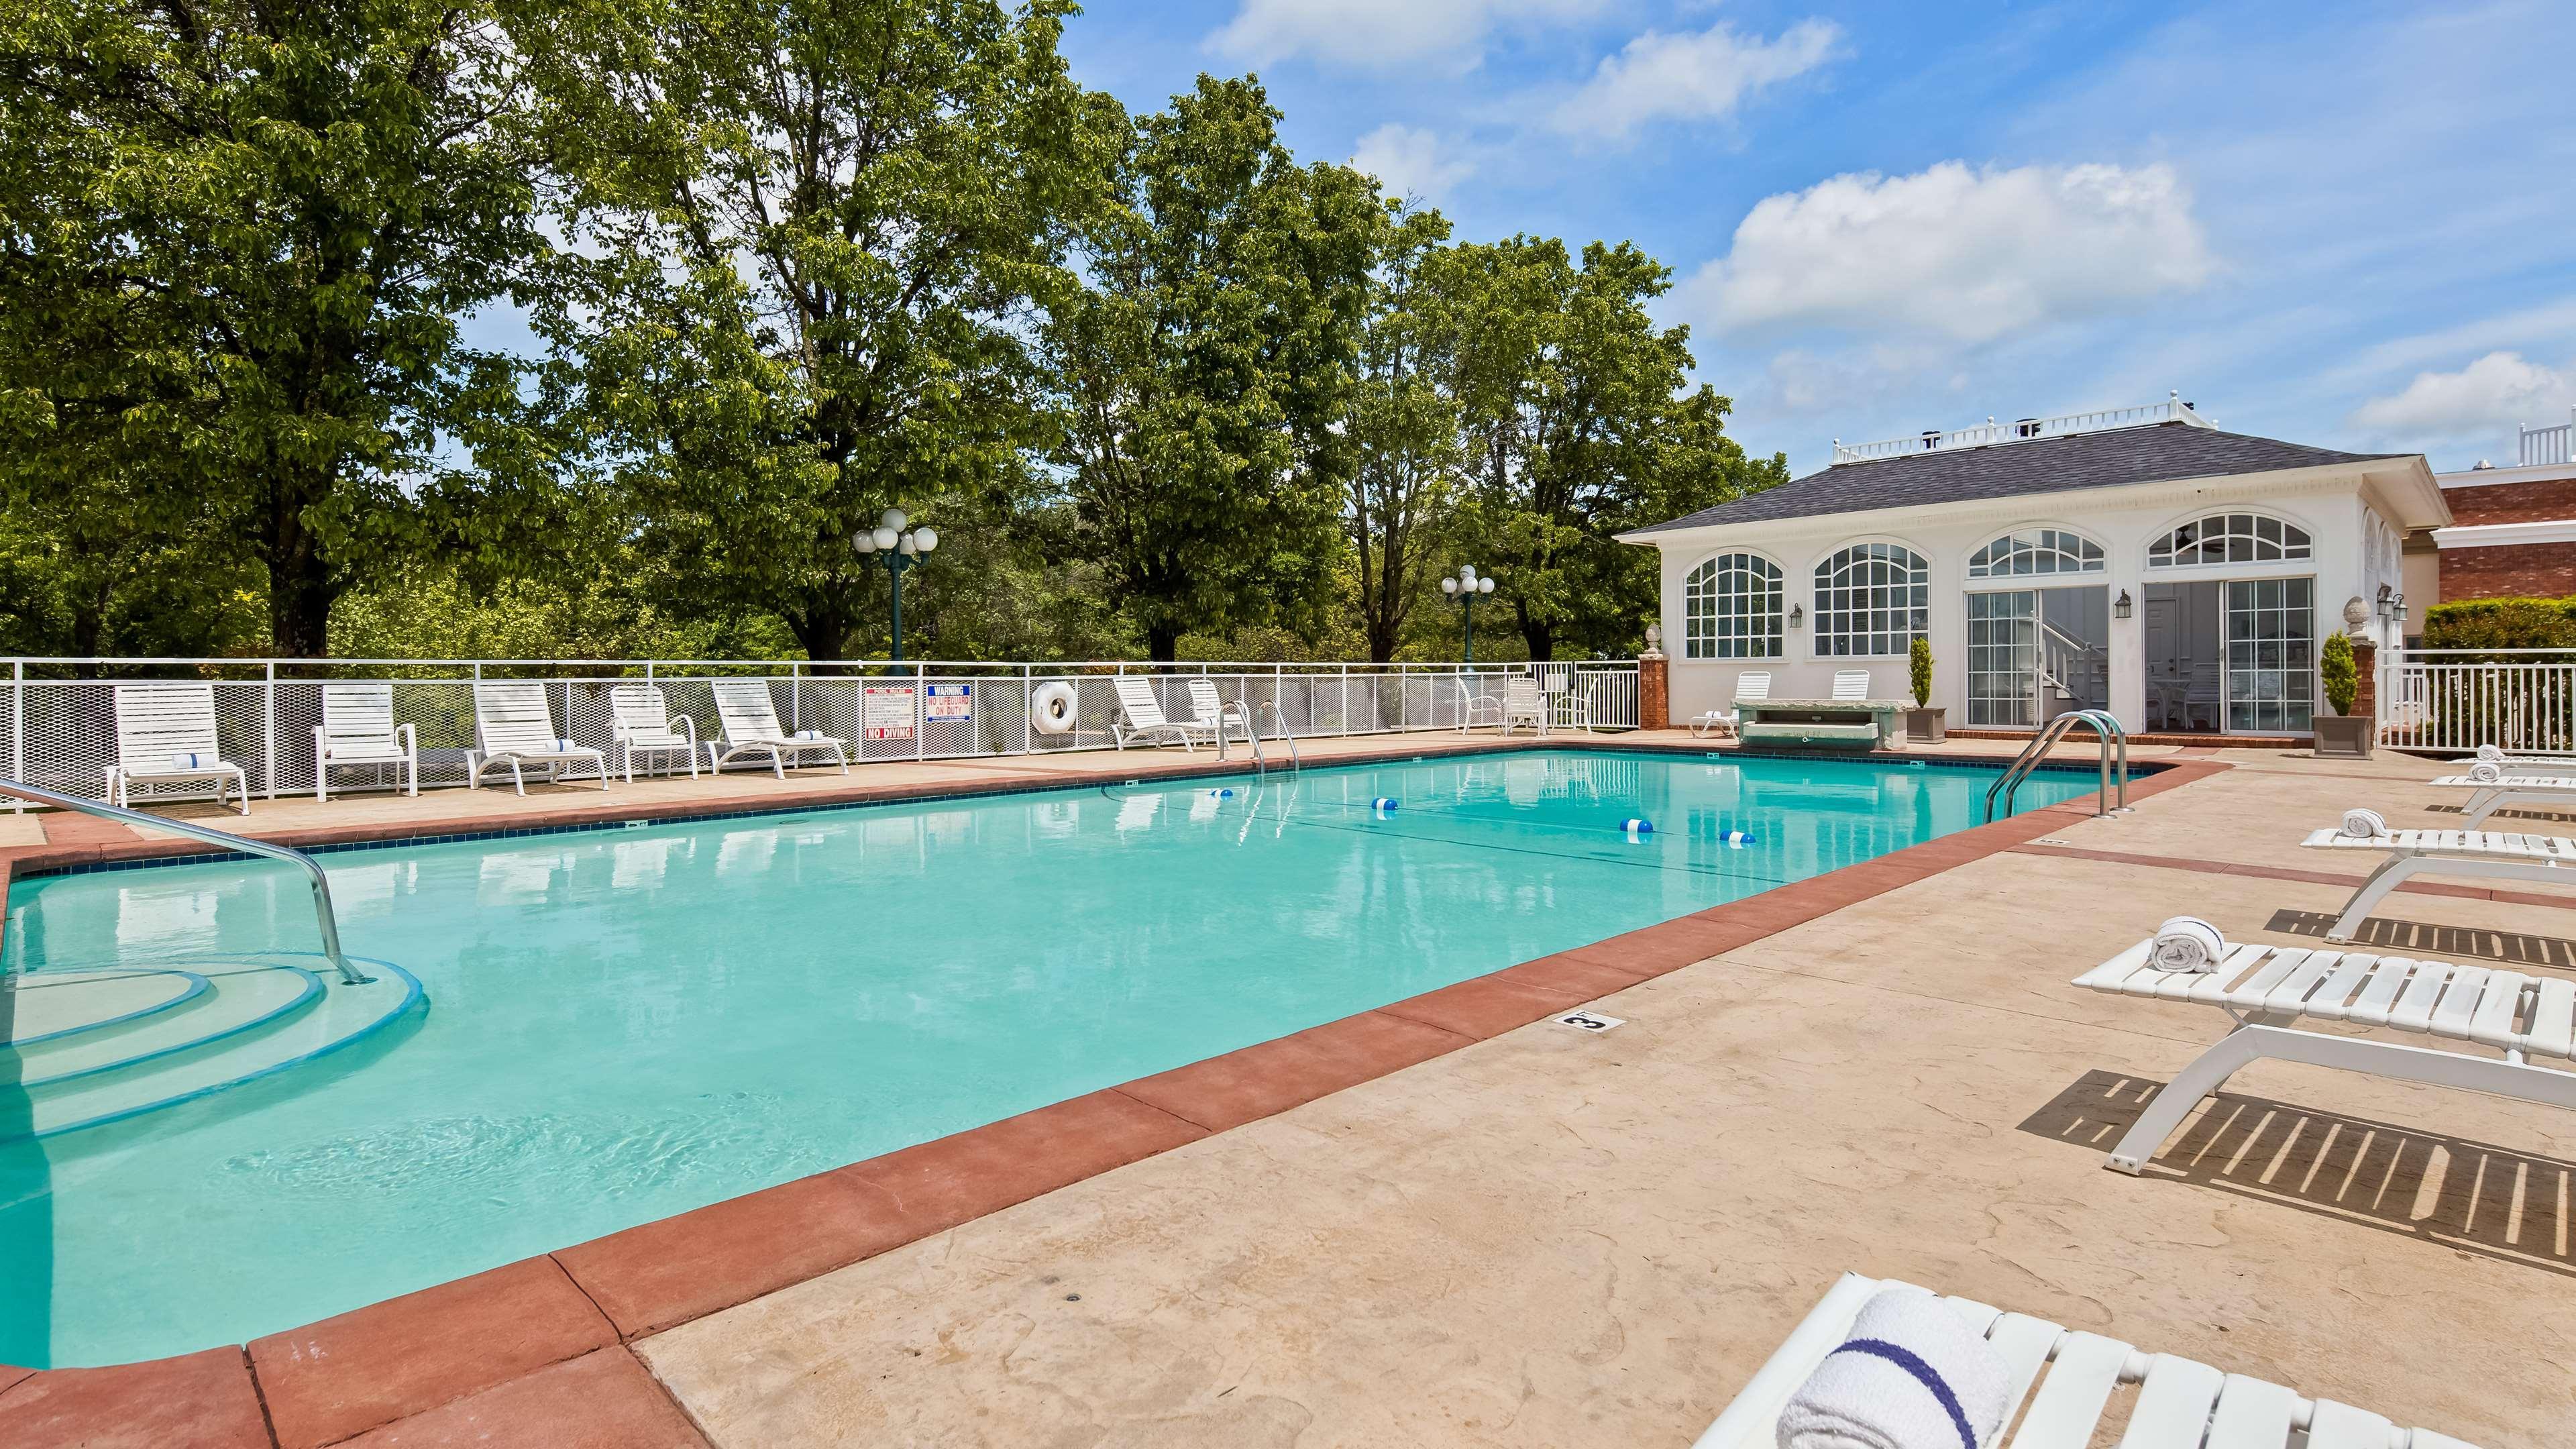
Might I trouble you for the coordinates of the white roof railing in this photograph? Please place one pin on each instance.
(2023, 430)
(2545, 446)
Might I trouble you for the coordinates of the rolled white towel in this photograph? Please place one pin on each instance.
(2363, 825)
(2486, 772)
(2491, 752)
(2187, 943)
(1912, 1375)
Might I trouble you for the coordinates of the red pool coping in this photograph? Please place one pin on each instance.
(540, 1347)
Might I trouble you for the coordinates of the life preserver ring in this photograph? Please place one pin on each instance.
(1051, 708)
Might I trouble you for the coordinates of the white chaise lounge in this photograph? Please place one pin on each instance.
(1752, 686)
(358, 728)
(2267, 988)
(1851, 684)
(2519, 764)
(514, 726)
(2179, 1404)
(750, 721)
(1141, 718)
(2554, 793)
(166, 733)
(640, 721)
(2486, 854)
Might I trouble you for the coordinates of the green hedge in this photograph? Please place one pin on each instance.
(2502, 624)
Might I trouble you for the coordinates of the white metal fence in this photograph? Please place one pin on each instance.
(2522, 700)
(59, 730)
(2555, 444)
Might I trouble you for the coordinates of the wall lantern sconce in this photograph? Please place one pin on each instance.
(2120, 605)
(2397, 608)
(1797, 615)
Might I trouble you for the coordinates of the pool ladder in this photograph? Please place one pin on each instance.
(323, 915)
(2106, 727)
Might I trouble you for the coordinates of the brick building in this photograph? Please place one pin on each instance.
(2512, 532)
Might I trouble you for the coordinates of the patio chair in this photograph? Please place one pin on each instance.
(1752, 686)
(750, 721)
(166, 732)
(1524, 703)
(514, 726)
(358, 728)
(2179, 1403)
(2534, 764)
(2552, 793)
(1851, 684)
(2201, 697)
(1473, 708)
(639, 718)
(1140, 717)
(1215, 711)
(2485, 854)
(2266, 988)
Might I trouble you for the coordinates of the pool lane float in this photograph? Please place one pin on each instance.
(1741, 837)
(1384, 803)
(1636, 828)
(1051, 708)
(1222, 794)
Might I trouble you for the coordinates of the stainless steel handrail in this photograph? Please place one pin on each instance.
(1285, 733)
(1233, 710)
(2106, 728)
(323, 914)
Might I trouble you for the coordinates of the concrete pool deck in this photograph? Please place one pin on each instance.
(1433, 1224)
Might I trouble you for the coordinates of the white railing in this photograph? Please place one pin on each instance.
(2521, 700)
(2023, 430)
(2548, 446)
(59, 729)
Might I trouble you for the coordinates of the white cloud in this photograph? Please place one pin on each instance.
(1410, 161)
(1959, 254)
(2492, 396)
(1379, 34)
(1688, 77)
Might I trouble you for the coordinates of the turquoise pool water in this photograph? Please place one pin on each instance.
(628, 1024)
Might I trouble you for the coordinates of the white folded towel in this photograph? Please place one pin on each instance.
(2486, 772)
(1912, 1375)
(2363, 825)
(2187, 943)
(186, 761)
(2491, 752)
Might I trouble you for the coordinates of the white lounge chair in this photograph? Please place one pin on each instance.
(1524, 703)
(358, 728)
(2266, 988)
(639, 718)
(514, 726)
(2179, 1404)
(750, 721)
(2554, 793)
(166, 732)
(1141, 717)
(2486, 854)
(1851, 684)
(1752, 686)
(2522, 764)
(1217, 711)
(1475, 709)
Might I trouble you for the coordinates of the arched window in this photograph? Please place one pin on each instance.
(1870, 600)
(2229, 538)
(1731, 608)
(2036, 551)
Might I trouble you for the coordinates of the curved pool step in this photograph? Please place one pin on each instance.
(46, 1006)
(237, 998)
(262, 1015)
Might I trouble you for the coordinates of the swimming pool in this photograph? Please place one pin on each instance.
(627, 1024)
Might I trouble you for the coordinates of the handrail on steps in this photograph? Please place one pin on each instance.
(1285, 733)
(322, 912)
(2106, 727)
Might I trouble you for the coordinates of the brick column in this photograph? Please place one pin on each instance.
(2365, 664)
(1654, 691)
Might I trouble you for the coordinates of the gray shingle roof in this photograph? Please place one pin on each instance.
(2006, 470)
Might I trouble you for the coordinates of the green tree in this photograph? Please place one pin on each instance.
(1578, 423)
(1403, 429)
(1205, 363)
(239, 236)
(810, 233)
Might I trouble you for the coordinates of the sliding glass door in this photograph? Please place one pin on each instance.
(2003, 658)
(2271, 655)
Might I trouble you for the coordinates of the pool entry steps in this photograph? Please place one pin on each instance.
(95, 1045)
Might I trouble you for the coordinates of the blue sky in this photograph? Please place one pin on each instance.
(2351, 225)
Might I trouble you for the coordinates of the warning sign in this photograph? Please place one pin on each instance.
(948, 701)
(886, 713)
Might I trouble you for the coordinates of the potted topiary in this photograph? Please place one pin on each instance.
(1923, 722)
(2342, 734)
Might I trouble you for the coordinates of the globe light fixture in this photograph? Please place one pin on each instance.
(1466, 586)
(898, 551)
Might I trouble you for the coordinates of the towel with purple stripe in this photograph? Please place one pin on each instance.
(1911, 1375)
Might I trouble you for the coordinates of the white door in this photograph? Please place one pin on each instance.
(2271, 656)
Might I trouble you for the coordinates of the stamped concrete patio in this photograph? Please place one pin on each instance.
(1533, 1236)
